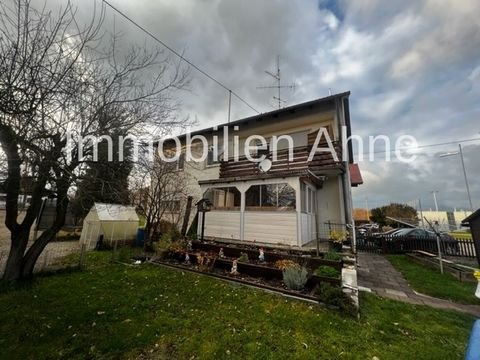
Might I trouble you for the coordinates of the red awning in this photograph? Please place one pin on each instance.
(355, 175)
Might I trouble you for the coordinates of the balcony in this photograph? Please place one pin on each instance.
(321, 163)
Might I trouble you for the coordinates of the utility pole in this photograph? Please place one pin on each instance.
(421, 212)
(434, 193)
(465, 176)
(460, 152)
(366, 207)
(439, 248)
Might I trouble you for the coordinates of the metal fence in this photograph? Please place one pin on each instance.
(333, 234)
(399, 245)
(71, 254)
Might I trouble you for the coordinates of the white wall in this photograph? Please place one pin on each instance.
(223, 224)
(273, 227)
(329, 202)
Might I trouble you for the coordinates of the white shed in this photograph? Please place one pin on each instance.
(112, 221)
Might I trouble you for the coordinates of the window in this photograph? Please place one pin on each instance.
(257, 149)
(210, 157)
(313, 135)
(270, 197)
(181, 162)
(224, 198)
(211, 160)
(298, 139)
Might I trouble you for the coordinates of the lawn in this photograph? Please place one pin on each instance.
(462, 235)
(117, 311)
(430, 282)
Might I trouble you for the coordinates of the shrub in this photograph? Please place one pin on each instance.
(171, 235)
(283, 264)
(176, 246)
(338, 236)
(328, 271)
(295, 277)
(243, 257)
(332, 255)
(333, 296)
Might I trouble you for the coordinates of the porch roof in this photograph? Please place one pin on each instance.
(304, 175)
(355, 175)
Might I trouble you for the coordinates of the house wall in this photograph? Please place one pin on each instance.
(275, 227)
(270, 227)
(195, 172)
(302, 228)
(223, 224)
(329, 202)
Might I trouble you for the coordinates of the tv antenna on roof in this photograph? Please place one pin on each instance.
(279, 85)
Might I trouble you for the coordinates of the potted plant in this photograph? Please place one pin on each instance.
(336, 239)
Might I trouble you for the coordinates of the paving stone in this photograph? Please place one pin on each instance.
(378, 274)
(395, 292)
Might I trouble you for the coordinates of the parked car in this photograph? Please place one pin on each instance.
(365, 230)
(426, 240)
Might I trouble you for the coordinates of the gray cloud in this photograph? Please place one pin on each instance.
(412, 66)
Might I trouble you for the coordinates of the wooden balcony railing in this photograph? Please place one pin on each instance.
(282, 165)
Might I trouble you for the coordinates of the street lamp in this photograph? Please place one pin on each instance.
(460, 152)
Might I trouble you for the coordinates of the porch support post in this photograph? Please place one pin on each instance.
(242, 190)
(298, 209)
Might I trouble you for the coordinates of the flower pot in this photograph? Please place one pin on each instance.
(335, 246)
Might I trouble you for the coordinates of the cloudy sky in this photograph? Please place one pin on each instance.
(412, 66)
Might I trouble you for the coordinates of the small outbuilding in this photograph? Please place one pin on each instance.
(109, 223)
(474, 222)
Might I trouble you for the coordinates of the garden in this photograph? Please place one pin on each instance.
(291, 272)
(111, 310)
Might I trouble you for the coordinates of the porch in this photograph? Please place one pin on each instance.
(272, 211)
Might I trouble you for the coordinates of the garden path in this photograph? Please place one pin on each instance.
(375, 273)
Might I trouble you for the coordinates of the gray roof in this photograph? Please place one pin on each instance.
(472, 216)
(275, 115)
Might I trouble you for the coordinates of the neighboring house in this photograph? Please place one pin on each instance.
(281, 201)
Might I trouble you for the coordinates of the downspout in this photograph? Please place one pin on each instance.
(346, 182)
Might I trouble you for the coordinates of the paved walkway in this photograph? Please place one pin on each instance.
(376, 273)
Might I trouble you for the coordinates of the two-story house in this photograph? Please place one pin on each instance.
(286, 197)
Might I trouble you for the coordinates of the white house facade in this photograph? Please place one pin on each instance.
(286, 198)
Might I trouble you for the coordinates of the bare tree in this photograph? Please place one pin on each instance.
(57, 82)
(160, 189)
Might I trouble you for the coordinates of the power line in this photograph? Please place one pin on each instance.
(422, 146)
(178, 54)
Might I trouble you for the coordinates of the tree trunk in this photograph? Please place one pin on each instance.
(31, 257)
(13, 269)
(33, 253)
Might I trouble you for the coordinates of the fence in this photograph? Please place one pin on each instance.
(59, 255)
(331, 234)
(398, 245)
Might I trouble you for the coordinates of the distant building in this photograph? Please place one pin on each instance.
(361, 216)
(447, 220)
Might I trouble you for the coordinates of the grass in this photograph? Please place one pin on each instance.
(462, 235)
(430, 282)
(111, 311)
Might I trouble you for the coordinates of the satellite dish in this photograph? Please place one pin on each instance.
(265, 165)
